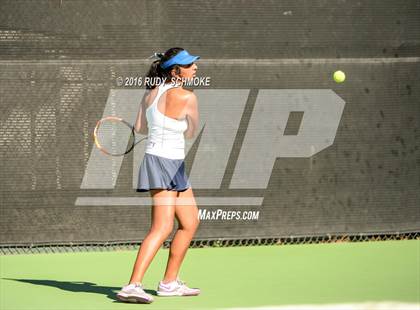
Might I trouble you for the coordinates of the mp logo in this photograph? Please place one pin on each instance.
(221, 112)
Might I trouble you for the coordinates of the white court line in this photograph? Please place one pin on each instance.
(386, 305)
(221, 61)
(147, 201)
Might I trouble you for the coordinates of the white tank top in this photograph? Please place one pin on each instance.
(165, 134)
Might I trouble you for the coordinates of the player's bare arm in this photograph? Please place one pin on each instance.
(141, 121)
(192, 116)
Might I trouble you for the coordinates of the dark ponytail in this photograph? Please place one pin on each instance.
(156, 71)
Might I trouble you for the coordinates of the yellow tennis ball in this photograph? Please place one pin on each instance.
(339, 76)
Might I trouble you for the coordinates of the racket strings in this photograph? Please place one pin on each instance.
(114, 137)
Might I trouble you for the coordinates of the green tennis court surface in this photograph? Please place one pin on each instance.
(235, 277)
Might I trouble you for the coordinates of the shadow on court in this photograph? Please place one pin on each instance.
(79, 286)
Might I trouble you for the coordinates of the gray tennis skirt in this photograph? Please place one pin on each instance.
(158, 172)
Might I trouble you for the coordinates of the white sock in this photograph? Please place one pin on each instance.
(132, 285)
(169, 284)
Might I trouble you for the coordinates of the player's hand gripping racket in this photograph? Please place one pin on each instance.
(114, 136)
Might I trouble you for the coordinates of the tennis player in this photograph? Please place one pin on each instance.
(168, 113)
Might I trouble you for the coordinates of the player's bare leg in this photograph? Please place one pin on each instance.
(163, 212)
(186, 212)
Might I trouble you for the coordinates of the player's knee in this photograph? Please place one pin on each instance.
(196, 222)
(163, 230)
(192, 225)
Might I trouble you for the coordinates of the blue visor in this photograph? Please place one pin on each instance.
(182, 58)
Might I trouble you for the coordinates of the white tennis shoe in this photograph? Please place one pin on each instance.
(134, 293)
(176, 288)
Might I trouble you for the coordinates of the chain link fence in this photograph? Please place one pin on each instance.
(205, 243)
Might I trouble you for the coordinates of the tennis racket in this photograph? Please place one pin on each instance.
(115, 136)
